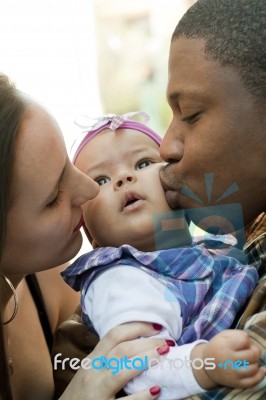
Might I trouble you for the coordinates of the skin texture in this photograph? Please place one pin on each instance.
(32, 228)
(46, 199)
(231, 345)
(216, 128)
(131, 168)
(32, 376)
(116, 344)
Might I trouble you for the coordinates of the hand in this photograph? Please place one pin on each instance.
(91, 384)
(236, 346)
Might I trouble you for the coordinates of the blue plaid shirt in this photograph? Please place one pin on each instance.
(210, 289)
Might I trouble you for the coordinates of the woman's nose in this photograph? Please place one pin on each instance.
(126, 177)
(86, 189)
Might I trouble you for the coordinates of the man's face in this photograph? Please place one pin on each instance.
(216, 129)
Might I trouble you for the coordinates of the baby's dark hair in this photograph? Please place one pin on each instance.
(235, 35)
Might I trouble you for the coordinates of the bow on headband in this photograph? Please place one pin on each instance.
(116, 120)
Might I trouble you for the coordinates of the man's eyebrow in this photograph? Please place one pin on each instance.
(176, 96)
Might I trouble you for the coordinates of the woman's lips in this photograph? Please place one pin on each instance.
(79, 225)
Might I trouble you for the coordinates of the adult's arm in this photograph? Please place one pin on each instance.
(72, 341)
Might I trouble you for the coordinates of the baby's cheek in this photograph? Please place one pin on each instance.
(88, 215)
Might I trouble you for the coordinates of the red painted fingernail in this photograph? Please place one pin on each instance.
(163, 349)
(155, 390)
(170, 343)
(157, 327)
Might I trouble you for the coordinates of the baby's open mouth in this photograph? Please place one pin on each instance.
(131, 200)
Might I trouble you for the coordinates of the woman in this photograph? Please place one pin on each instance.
(41, 196)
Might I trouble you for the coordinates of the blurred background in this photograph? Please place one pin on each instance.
(90, 56)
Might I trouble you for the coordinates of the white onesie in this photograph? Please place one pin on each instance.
(124, 294)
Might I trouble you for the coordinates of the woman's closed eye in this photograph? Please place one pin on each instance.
(56, 201)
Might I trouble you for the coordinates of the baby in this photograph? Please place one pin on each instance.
(192, 294)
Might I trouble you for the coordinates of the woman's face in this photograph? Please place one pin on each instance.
(44, 216)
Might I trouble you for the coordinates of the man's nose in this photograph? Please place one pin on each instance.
(172, 146)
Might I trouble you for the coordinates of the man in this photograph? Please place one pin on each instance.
(215, 145)
(217, 93)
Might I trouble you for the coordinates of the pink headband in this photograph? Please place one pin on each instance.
(114, 122)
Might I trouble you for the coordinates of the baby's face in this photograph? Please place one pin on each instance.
(126, 165)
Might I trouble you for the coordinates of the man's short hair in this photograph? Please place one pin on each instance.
(235, 35)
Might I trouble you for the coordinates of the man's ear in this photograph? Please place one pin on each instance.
(91, 239)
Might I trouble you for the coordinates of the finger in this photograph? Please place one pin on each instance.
(115, 380)
(134, 347)
(246, 378)
(145, 394)
(123, 333)
(248, 371)
(239, 340)
(251, 355)
(254, 380)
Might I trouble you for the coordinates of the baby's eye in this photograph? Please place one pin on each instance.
(143, 164)
(102, 180)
